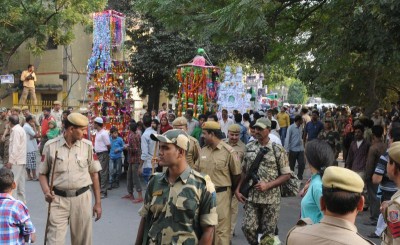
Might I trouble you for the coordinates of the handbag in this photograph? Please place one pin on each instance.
(291, 187)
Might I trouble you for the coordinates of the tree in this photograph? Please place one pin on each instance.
(297, 93)
(342, 48)
(36, 22)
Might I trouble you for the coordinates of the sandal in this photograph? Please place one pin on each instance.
(139, 200)
(128, 196)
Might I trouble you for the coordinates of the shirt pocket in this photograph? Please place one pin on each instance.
(82, 162)
(61, 164)
(185, 210)
(220, 162)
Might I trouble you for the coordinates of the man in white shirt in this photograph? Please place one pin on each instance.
(102, 146)
(17, 158)
(147, 145)
(56, 112)
(225, 122)
(192, 123)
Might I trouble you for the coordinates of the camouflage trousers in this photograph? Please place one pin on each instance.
(260, 219)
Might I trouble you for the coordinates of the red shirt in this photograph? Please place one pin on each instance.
(45, 124)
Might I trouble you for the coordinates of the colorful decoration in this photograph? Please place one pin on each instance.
(232, 93)
(108, 32)
(108, 81)
(198, 85)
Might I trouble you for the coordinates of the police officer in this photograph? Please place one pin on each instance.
(56, 112)
(221, 163)
(341, 201)
(263, 203)
(193, 153)
(180, 204)
(16, 110)
(239, 147)
(391, 209)
(76, 169)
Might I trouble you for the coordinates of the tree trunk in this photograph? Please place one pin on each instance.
(373, 102)
(154, 98)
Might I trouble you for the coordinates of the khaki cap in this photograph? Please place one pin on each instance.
(56, 102)
(16, 108)
(78, 119)
(179, 121)
(173, 136)
(263, 123)
(211, 125)
(394, 152)
(234, 128)
(24, 108)
(343, 179)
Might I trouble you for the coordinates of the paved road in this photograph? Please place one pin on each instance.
(120, 220)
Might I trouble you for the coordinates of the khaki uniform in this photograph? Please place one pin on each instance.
(21, 119)
(329, 231)
(3, 124)
(391, 235)
(220, 164)
(7, 144)
(73, 167)
(192, 157)
(239, 148)
(262, 208)
(175, 213)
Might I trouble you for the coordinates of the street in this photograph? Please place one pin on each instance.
(120, 218)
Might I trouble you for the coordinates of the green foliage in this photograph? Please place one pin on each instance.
(35, 21)
(345, 50)
(297, 93)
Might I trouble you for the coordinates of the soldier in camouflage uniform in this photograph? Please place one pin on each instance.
(239, 147)
(220, 161)
(193, 153)
(180, 204)
(263, 203)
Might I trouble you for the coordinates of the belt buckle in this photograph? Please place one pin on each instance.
(70, 193)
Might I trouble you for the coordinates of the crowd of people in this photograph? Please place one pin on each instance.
(189, 171)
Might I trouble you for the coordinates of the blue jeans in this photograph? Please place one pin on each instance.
(115, 166)
(146, 175)
(282, 133)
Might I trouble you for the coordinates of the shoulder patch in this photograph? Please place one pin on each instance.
(393, 216)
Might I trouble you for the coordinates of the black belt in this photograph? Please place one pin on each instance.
(221, 189)
(103, 152)
(70, 193)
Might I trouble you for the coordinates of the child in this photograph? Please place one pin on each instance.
(15, 222)
(115, 165)
(53, 130)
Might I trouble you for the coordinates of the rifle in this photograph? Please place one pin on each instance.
(252, 173)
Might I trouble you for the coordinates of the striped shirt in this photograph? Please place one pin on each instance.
(15, 221)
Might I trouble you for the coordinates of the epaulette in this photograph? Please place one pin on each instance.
(192, 138)
(53, 140)
(86, 141)
(228, 147)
